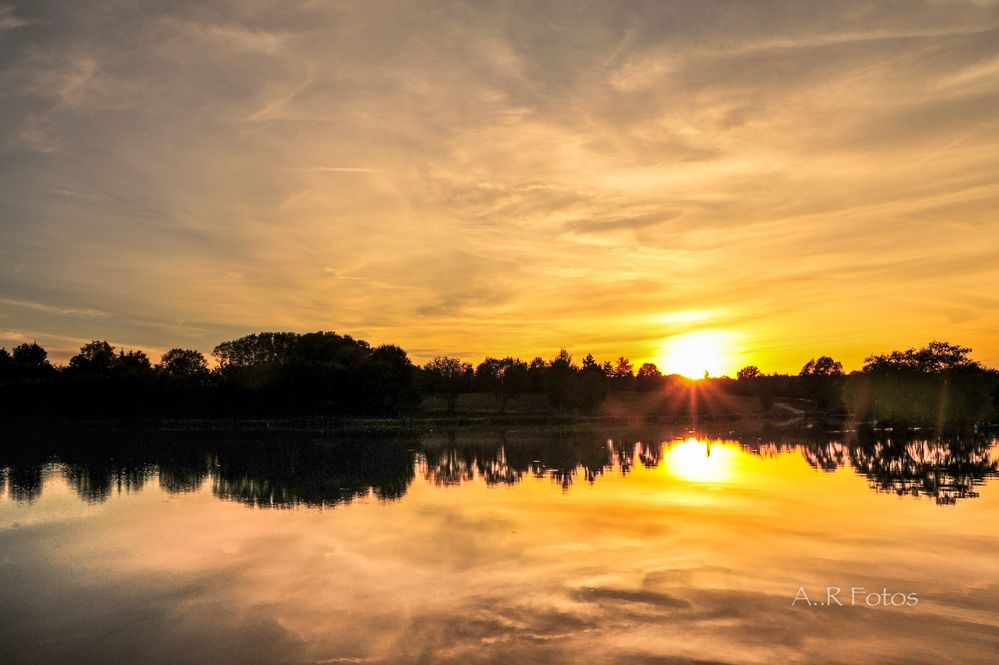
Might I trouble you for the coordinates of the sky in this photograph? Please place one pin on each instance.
(781, 179)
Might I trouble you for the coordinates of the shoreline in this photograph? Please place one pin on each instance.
(320, 425)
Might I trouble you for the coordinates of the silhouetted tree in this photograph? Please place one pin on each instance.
(824, 366)
(96, 359)
(449, 377)
(183, 363)
(185, 383)
(314, 373)
(132, 361)
(935, 357)
(622, 374)
(320, 373)
(30, 361)
(590, 390)
(648, 378)
(101, 383)
(821, 382)
(536, 374)
(28, 382)
(937, 384)
(591, 385)
(30, 355)
(391, 385)
(505, 378)
(558, 380)
(256, 350)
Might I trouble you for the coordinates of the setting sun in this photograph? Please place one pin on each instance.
(692, 354)
(464, 332)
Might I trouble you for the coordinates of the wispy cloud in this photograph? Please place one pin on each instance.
(505, 178)
(9, 20)
(52, 309)
(276, 107)
(337, 169)
(619, 223)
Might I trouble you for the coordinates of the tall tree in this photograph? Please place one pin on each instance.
(30, 356)
(505, 378)
(823, 366)
(649, 377)
(558, 380)
(186, 363)
(449, 377)
(96, 358)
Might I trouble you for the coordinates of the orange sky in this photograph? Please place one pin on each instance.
(795, 178)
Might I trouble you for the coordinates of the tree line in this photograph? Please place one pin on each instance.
(274, 374)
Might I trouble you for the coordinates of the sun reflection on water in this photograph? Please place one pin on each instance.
(700, 461)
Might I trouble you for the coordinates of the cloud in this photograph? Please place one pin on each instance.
(274, 109)
(619, 223)
(338, 169)
(52, 309)
(504, 177)
(9, 20)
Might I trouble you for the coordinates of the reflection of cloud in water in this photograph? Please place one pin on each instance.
(612, 571)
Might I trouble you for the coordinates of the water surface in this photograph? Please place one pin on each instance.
(516, 546)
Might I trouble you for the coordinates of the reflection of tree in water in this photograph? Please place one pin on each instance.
(650, 455)
(504, 458)
(497, 470)
(450, 464)
(567, 455)
(827, 457)
(25, 482)
(317, 473)
(93, 468)
(261, 471)
(95, 482)
(185, 471)
(281, 470)
(910, 463)
(945, 470)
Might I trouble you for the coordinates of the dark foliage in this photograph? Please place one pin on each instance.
(648, 378)
(449, 377)
(937, 385)
(505, 378)
(261, 375)
(284, 374)
(321, 372)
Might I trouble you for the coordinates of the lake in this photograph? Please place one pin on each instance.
(524, 545)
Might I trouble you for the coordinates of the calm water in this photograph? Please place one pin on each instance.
(520, 546)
